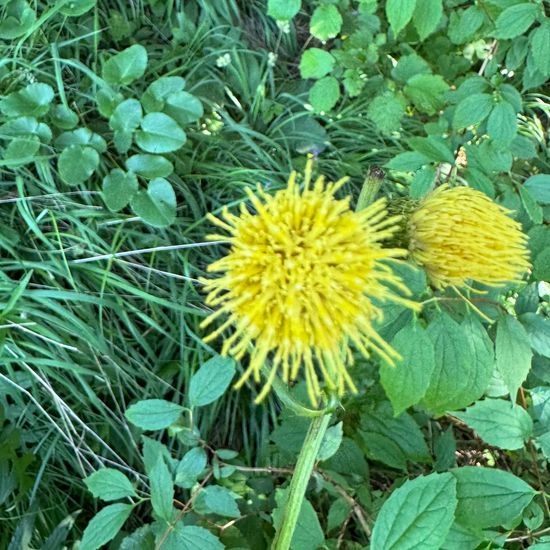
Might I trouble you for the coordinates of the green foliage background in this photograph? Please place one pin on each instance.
(122, 124)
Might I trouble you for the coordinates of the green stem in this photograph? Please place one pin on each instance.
(300, 480)
(370, 188)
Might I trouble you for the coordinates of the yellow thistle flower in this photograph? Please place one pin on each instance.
(459, 234)
(298, 281)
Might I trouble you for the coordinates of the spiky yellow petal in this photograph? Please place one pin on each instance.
(298, 283)
(459, 234)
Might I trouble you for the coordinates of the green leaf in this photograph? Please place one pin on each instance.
(190, 467)
(406, 382)
(153, 414)
(308, 534)
(125, 119)
(512, 96)
(105, 525)
(426, 91)
(422, 182)
(517, 53)
(109, 484)
(183, 107)
(283, 10)
(464, 361)
(392, 440)
(539, 187)
(58, 536)
(538, 329)
(126, 66)
(399, 13)
(107, 100)
(63, 117)
(417, 515)
(409, 66)
(158, 92)
(191, 537)
(408, 162)
(118, 189)
(515, 20)
(17, 19)
(150, 166)
(160, 134)
(460, 538)
(81, 136)
(211, 380)
(472, 110)
(22, 126)
(445, 450)
(324, 94)
(74, 8)
(386, 111)
(502, 125)
(513, 352)
(432, 147)
(349, 459)
(141, 539)
(162, 490)
(316, 63)
(541, 266)
(534, 210)
(76, 164)
(464, 24)
(338, 513)
(489, 497)
(326, 22)
(33, 100)
(216, 500)
(157, 205)
(499, 423)
(331, 442)
(426, 17)
(540, 47)
(22, 150)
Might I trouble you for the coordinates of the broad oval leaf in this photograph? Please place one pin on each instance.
(109, 484)
(191, 537)
(472, 110)
(489, 497)
(417, 515)
(105, 525)
(118, 189)
(399, 13)
(77, 163)
(33, 100)
(160, 133)
(150, 166)
(157, 205)
(153, 414)
(211, 380)
(162, 490)
(515, 20)
(126, 66)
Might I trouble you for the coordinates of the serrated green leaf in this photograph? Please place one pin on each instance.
(426, 16)
(539, 187)
(211, 380)
(109, 484)
(190, 467)
(422, 182)
(534, 210)
(417, 515)
(408, 162)
(386, 111)
(399, 13)
(216, 500)
(283, 10)
(513, 352)
(162, 490)
(432, 147)
(331, 442)
(426, 91)
(538, 330)
(502, 125)
(472, 110)
(515, 20)
(324, 94)
(407, 382)
(126, 66)
(153, 414)
(499, 423)
(488, 497)
(316, 63)
(326, 22)
(157, 205)
(105, 525)
(464, 362)
(464, 24)
(540, 47)
(191, 537)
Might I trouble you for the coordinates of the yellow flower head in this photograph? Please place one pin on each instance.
(298, 281)
(460, 234)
